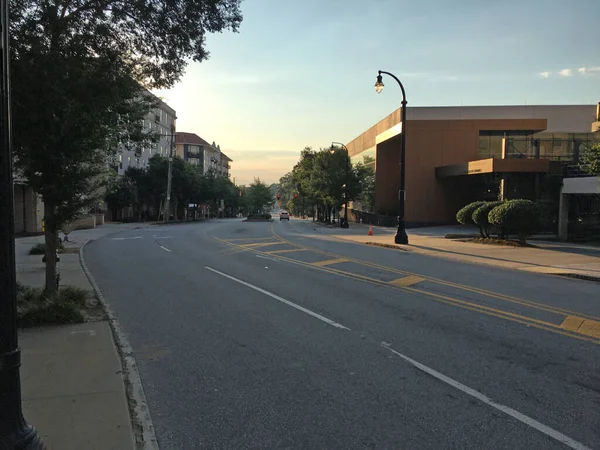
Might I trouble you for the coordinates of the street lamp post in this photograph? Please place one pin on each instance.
(401, 237)
(167, 212)
(344, 222)
(15, 432)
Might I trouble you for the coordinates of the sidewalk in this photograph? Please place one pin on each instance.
(71, 375)
(554, 258)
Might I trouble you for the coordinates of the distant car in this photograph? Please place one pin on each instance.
(284, 215)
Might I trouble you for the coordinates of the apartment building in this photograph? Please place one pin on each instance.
(160, 120)
(198, 152)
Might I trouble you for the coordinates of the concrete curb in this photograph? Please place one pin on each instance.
(144, 436)
(487, 263)
(577, 276)
(395, 247)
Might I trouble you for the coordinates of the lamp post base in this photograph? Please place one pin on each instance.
(27, 438)
(401, 237)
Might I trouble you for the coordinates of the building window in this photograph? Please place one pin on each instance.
(490, 144)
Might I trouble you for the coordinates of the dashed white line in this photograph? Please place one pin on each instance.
(557, 435)
(281, 299)
(164, 248)
(126, 238)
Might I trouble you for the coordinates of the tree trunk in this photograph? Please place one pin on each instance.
(522, 237)
(51, 239)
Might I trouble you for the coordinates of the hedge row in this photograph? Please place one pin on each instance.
(512, 216)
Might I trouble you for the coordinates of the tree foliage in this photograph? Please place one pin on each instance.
(146, 188)
(591, 159)
(465, 215)
(77, 71)
(258, 197)
(519, 215)
(480, 217)
(325, 178)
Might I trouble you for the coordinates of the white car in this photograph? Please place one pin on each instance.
(284, 215)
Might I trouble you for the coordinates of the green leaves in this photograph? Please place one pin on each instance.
(591, 159)
(258, 197)
(327, 177)
(465, 215)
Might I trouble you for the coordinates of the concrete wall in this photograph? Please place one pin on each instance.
(560, 118)
(581, 185)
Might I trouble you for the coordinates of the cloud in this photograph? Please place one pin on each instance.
(545, 74)
(588, 70)
(565, 73)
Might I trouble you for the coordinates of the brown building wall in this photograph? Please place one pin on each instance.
(429, 144)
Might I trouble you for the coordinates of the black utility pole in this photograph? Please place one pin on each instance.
(344, 223)
(15, 432)
(401, 237)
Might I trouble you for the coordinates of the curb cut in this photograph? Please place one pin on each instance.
(139, 414)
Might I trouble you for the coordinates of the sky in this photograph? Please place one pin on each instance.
(301, 73)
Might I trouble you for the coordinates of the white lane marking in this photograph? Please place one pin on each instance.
(264, 257)
(557, 435)
(282, 300)
(126, 238)
(162, 237)
(164, 248)
(90, 332)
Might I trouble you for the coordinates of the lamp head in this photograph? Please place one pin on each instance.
(379, 84)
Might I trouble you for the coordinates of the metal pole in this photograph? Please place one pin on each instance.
(401, 237)
(344, 223)
(15, 432)
(167, 212)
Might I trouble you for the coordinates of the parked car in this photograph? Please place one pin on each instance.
(284, 215)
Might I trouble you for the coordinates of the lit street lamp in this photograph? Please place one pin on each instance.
(15, 432)
(401, 237)
(344, 221)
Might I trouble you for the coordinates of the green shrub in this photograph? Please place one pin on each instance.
(465, 215)
(520, 216)
(35, 308)
(480, 217)
(40, 249)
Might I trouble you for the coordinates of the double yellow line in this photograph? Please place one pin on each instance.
(576, 325)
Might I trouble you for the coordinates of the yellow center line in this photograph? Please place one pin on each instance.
(581, 325)
(249, 239)
(523, 302)
(329, 262)
(517, 318)
(407, 281)
(258, 244)
(275, 252)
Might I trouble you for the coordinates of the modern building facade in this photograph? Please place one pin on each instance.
(455, 155)
(198, 152)
(160, 120)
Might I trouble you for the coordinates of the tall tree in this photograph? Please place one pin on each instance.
(259, 197)
(78, 68)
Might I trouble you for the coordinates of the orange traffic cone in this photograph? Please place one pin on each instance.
(370, 230)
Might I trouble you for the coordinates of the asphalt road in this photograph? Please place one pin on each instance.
(260, 335)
